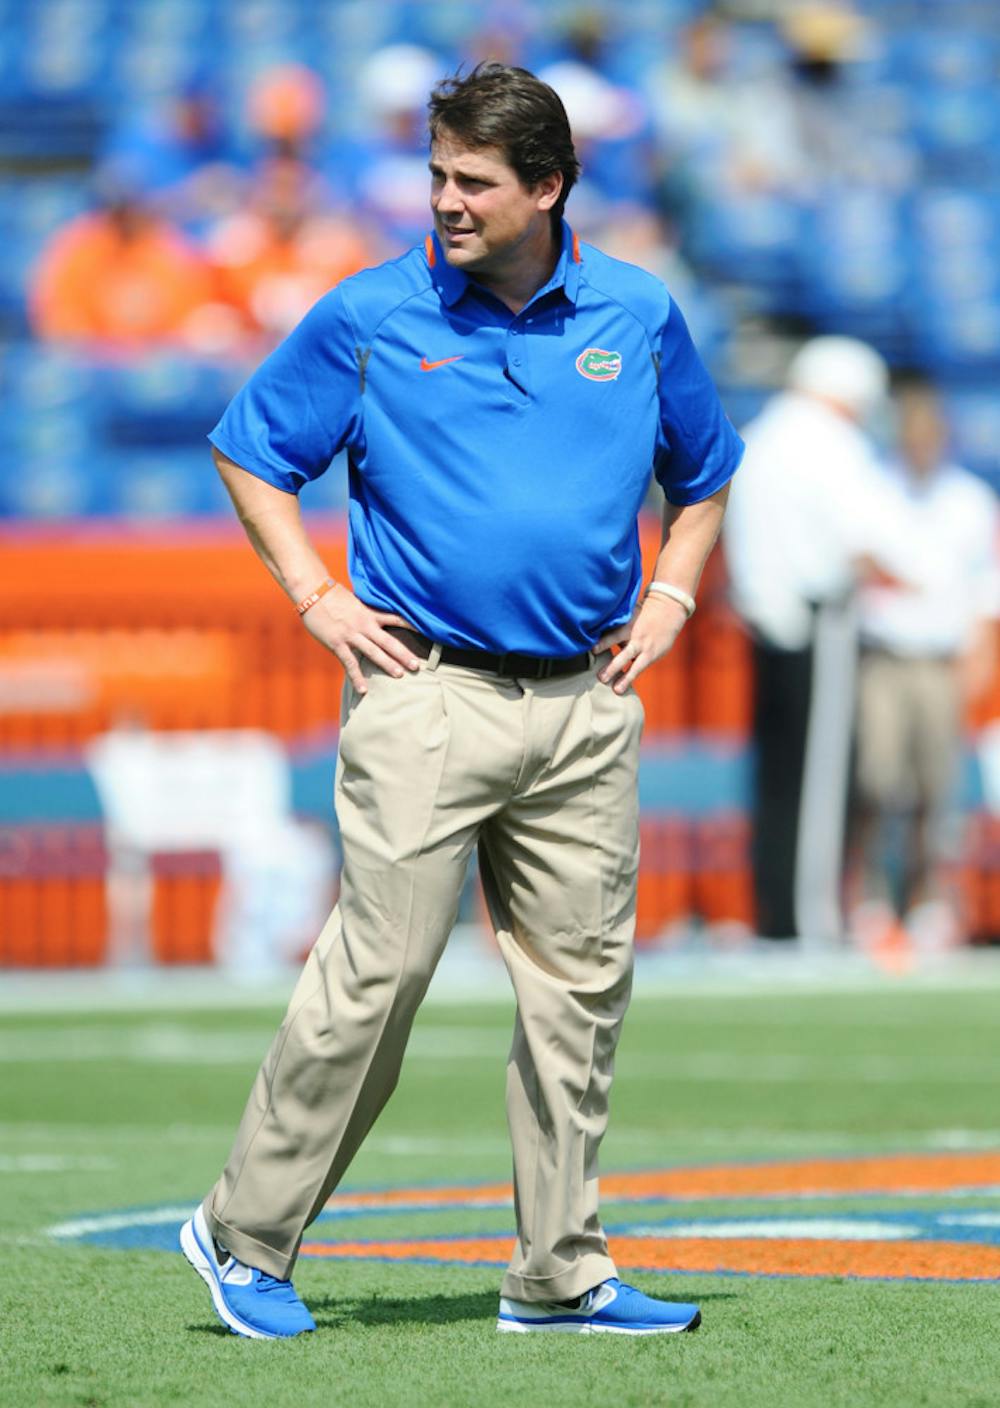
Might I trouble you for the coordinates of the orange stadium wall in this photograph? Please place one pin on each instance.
(183, 629)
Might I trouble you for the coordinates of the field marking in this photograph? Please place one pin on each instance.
(758, 1141)
(805, 1229)
(830, 1141)
(931, 1244)
(753, 1256)
(55, 1163)
(786, 1068)
(166, 1043)
(859, 1175)
(119, 1221)
(470, 974)
(117, 1134)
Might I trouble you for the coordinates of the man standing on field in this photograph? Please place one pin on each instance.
(503, 394)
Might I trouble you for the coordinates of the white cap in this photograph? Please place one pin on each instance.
(399, 79)
(594, 106)
(843, 369)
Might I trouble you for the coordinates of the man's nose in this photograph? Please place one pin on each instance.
(447, 198)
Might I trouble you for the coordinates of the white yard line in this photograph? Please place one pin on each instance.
(470, 972)
(167, 1043)
(801, 1228)
(55, 1163)
(101, 1134)
(116, 1222)
(164, 1043)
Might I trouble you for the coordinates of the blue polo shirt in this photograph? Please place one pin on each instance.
(497, 462)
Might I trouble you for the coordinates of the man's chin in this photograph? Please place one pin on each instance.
(459, 257)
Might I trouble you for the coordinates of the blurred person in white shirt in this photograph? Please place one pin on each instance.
(799, 536)
(928, 650)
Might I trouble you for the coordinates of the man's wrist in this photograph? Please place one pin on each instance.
(658, 590)
(311, 598)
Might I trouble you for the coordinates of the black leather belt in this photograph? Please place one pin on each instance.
(531, 667)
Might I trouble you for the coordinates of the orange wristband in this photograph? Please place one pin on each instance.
(313, 597)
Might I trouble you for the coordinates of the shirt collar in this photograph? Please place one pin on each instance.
(451, 283)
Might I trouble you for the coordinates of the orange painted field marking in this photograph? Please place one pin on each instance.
(779, 1257)
(882, 1173)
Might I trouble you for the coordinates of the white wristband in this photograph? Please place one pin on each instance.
(682, 598)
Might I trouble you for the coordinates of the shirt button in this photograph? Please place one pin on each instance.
(516, 361)
(514, 332)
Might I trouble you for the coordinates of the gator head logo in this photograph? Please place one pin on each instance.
(597, 365)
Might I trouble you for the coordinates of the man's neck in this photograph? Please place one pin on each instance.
(517, 284)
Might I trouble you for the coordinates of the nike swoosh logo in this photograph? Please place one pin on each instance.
(426, 366)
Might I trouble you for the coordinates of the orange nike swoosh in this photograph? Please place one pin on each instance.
(426, 366)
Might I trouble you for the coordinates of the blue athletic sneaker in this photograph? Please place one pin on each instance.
(249, 1301)
(608, 1309)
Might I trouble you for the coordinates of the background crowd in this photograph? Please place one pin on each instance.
(181, 179)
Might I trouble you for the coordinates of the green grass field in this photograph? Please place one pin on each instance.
(104, 1111)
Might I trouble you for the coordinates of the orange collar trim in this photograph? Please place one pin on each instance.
(576, 248)
(429, 247)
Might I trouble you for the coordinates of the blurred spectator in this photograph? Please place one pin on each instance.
(720, 136)
(798, 531)
(276, 258)
(120, 277)
(180, 156)
(285, 109)
(610, 123)
(384, 173)
(833, 136)
(927, 649)
(286, 105)
(640, 236)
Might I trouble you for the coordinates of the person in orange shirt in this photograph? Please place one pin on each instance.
(275, 258)
(119, 276)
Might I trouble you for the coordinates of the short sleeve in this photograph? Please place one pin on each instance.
(698, 450)
(301, 406)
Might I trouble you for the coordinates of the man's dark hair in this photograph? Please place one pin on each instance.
(497, 105)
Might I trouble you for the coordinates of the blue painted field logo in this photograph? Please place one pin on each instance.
(954, 1236)
(597, 365)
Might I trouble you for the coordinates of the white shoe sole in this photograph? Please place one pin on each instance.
(192, 1249)
(521, 1327)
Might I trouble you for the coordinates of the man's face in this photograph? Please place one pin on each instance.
(483, 215)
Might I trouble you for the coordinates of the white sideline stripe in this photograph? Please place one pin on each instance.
(55, 1163)
(806, 1229)
(164, 1043)
(115, 1134)
(404, 1146)
(116, 1222)
(756, 1141)
(470, 973)
(767, 1141)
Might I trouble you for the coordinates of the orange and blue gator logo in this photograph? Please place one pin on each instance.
(933, 1237)
(597, 365)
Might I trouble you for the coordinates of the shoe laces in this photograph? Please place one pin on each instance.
(284, 1289)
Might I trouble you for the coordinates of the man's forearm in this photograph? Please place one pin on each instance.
(689, 534)
(337, 619)
(273, 523)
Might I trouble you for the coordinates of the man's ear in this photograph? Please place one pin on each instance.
(549, 190)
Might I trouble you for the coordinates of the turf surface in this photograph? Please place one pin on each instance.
(101, 1111)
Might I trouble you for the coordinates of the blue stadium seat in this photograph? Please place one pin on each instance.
(974, 415)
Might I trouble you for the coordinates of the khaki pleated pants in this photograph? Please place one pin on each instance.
(541, 775)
